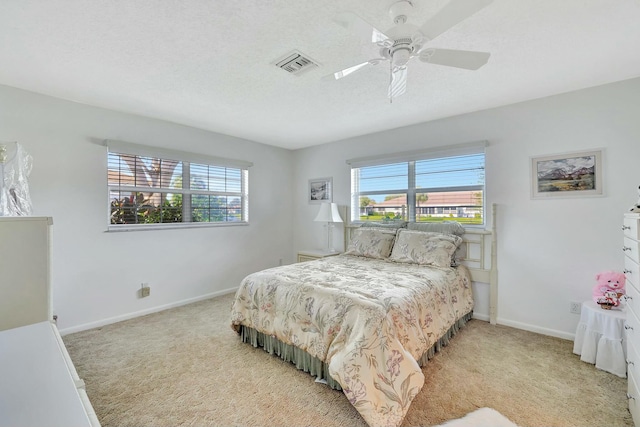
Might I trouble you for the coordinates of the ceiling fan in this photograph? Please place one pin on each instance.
(405, 41)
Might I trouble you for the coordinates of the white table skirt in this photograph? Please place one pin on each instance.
(600, 338)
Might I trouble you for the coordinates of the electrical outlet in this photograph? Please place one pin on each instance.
(145, 290)
(575, 307)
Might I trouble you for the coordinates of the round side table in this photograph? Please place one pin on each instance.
(600, 338)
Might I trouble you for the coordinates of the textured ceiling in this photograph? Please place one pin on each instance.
(208, 63)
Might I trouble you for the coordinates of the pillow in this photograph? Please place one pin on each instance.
(446, 227)
(459, 255)
(371, 242)
(425, 248)
(391, 224)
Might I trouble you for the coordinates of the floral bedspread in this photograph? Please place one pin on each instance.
(368, 319)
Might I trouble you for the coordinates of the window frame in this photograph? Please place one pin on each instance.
(186, 160)
(411, 192)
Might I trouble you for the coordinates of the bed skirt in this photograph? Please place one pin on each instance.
(316, 367)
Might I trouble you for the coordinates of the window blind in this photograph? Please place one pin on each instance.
(435, 188)
(146, 190)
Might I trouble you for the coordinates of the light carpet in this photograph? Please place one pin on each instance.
(186, 367)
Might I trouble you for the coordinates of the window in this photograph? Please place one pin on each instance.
(162, 188)
(428, 186)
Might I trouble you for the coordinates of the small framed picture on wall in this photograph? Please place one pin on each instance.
(320, 190)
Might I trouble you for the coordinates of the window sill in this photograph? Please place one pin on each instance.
(150, 227)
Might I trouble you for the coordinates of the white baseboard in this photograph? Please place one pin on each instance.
(527, 327)
(480, 316)
(536, 329)
(116, 319)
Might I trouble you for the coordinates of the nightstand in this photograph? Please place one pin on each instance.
(600, 338)
(310, 255)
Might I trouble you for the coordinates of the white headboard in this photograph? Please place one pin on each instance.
(481, 257)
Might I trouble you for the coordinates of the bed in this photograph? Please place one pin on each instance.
(365, 321)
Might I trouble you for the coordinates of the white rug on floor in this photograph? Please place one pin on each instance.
(483, 417)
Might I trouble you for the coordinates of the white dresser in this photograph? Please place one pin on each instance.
(25, 294)
(39, 385)
(631, 249)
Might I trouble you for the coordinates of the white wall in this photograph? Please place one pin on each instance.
(549, 250)
(95, 274)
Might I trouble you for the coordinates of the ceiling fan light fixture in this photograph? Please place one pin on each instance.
(401, 57)
(400, 52)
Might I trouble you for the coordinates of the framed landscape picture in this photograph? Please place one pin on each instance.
(320, 190)
(576, 174)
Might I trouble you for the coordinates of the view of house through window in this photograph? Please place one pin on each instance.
(435, 189)
(152, 190)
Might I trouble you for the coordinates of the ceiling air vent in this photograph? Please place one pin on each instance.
(296, 63)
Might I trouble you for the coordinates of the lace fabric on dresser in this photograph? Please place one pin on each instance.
(15, 167)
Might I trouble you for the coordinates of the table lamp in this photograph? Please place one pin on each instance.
(329, 213)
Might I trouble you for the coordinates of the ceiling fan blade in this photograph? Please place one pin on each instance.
(453, 12)
(344, 73)
(398, 84)
(469, 60)
(360, 27)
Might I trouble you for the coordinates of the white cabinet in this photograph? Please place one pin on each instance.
(39, 385)
(631, 245)
(25, 295)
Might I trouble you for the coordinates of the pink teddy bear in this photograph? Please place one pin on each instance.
(609, 283)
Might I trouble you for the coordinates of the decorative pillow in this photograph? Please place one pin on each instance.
(446, 227)
(371, 242)
(425, 248)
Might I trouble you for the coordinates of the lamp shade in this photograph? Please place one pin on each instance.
(328, 213)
